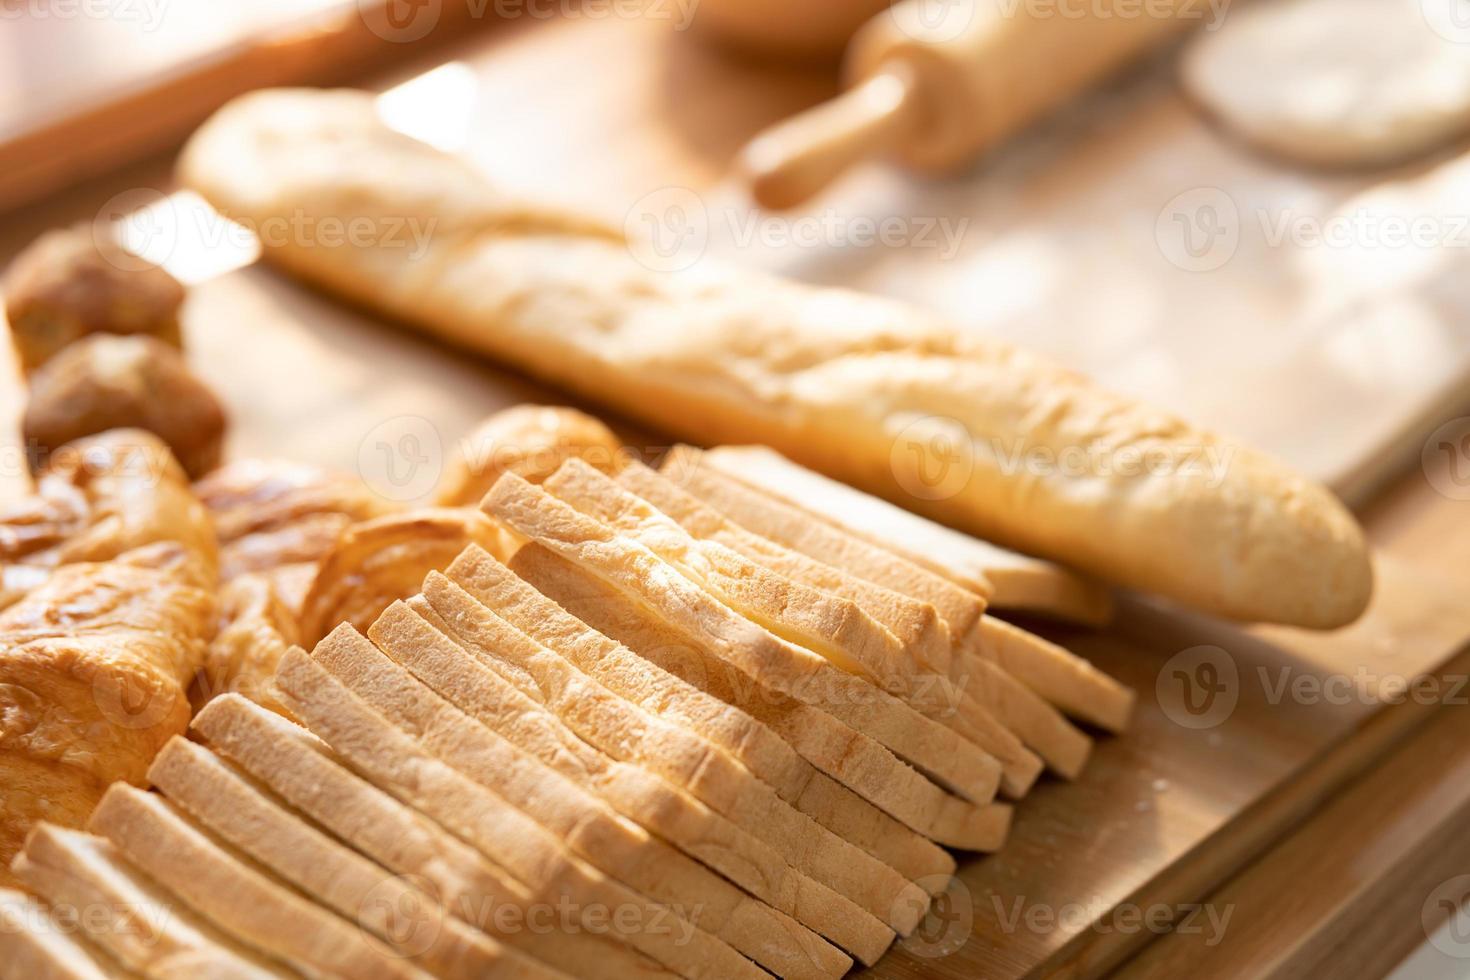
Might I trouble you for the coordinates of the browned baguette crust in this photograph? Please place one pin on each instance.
(837, 380)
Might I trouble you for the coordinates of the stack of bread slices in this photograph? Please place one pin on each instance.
(716, 721)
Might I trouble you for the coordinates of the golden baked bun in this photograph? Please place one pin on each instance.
(105, 382)
(94, 669)
(531, 441)
(72, 282)
(97, 498)
(381, 561)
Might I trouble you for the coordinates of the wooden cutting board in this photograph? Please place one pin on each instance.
(1062, 252)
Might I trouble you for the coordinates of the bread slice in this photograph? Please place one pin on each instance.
(390, 758)
(847, 756)
(297, 767)
(946, 757)
(414, 636)
(626, 732)
(1007, 579)
(615, 845)
(916, 624)
(1058, 675)
(743, 738)
(235, 896)
(398, 913)
(831, 626)
(1061, 678)
(36, 946)
(1017, 707)
(835, 628)
(148, 930)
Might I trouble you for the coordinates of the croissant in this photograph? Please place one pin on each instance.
(94, 669)
(276, 521)
(279, 519)
(97, 498)
(378, 562)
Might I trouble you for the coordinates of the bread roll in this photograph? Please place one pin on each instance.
(880, 395)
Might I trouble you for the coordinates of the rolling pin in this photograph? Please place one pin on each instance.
(938, 82)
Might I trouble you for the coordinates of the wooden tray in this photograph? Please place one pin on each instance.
(615, 110)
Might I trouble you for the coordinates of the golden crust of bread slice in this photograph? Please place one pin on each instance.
(298, 768)
(748, 741)
(368, 743)
(761, 655)
(1018, 708)
(148, 929)
(236, 896)
(626, 732)
(414, 636)
(1058, 676)
(618, 846)
(848, 757)
(832, 626)
(398, 913)
(34, 945)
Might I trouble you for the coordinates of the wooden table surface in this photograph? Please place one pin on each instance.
(1174, 811)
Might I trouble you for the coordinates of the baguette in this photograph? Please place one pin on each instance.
(399, 914)
(236, 897)
(746, 740)
(848, 757)
(422, 643)
(1059, 677)
(961, 767)
(297, 767)
(1007, 580)
(35, 946)
(834, 627)
(1038, 724)
(617, 846)
(390, 758)
(147, 930)
(873, 392)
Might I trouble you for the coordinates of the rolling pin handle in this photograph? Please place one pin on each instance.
(793, 160)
